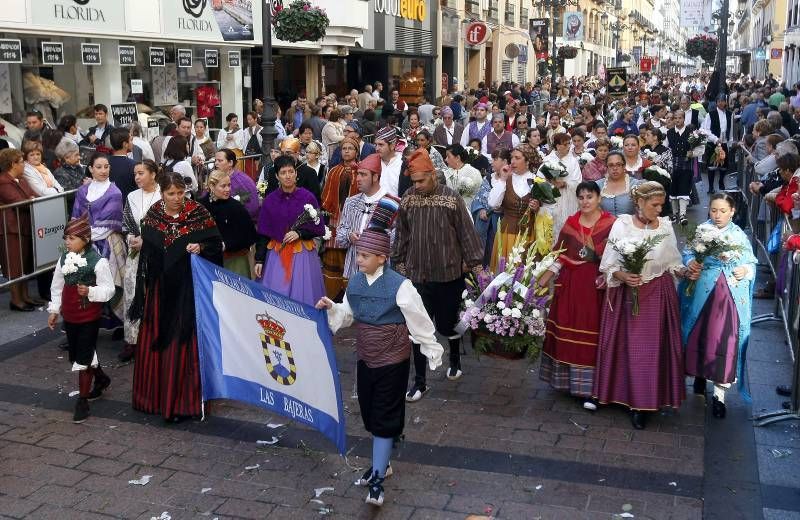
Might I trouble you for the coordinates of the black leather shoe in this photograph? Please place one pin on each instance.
(21, 308)
(718, 409)
(638, 419)
(699, 385)
(784, 390)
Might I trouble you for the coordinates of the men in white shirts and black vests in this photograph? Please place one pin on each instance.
(719, 122)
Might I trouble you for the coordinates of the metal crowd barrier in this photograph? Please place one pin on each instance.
(18, 208)
(763, 218)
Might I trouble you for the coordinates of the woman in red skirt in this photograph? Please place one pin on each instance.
(166, 376)
(640, 357)
(573, 324)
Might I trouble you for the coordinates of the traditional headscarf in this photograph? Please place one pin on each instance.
(447, 111)
(387, 133)
(79, 227)
(373, 241)
(371, 163)
(420, 161)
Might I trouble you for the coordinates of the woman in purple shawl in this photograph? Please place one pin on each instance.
(102, 200)
(243, 188)
(293, 267)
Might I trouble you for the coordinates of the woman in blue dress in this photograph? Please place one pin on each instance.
(715, 316)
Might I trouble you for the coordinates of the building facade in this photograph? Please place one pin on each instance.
(791, 57)
(768, 27)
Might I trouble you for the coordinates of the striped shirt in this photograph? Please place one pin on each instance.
(435, 236)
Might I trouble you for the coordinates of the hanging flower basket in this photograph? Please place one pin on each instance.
(300, 21)
(567, 52)
(625, 57)
(703, 46)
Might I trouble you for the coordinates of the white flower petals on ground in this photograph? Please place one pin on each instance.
(141, 481)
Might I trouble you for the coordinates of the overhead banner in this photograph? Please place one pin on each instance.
(573, 27)
(616, 81)
(539, 31)
(264, 349)
(695, 13)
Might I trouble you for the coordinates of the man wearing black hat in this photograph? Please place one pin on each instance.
(354, 131)
(719, 122)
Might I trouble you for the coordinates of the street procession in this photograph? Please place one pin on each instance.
(399, 259)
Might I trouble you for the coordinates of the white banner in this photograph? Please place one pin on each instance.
(696, 13)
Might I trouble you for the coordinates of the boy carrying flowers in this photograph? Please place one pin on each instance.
(82, 282)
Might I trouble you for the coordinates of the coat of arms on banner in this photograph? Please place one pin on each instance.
(278, 353)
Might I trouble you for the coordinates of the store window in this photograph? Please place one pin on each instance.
(409, 75)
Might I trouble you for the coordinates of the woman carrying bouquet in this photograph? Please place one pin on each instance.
(463, 178)
(573, 324)
(487, 219)
(716, 307)
(639, 354)
(567, 204)
(293, 267)
(511, 195)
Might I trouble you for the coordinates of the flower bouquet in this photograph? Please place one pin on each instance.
(697, 143)
(585, 158)
(243, 196)
(262, 189)
(506, 312)
(76, 271)
(650, 155)
(616, 142)
(466, 183)
(718, 157)
(656, 173)
(633, 253)
(309, 214)
(706, 241)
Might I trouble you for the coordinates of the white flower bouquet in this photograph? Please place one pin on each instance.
(466, 181)
(633, 253)
(616, 141)
(76, 272)
(309, 214)
(697, 143)
(553, 170)
(656, 173)
(707, 241)
(585, 158)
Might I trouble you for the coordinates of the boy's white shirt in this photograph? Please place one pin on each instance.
(420, 327)
(102, 291)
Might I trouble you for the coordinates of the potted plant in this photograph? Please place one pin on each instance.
(703, 46)
(506, 312)
(567, 52)
(300, 21)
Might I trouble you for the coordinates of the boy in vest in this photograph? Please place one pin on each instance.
(387, 311)
(82, 282)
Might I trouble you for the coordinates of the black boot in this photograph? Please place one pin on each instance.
(699, 385)
(638, 419)
(101, 383)
(454, 372)
(718, 409)
(81, 410)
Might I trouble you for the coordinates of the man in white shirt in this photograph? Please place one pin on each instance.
(479, 128)
(391, 161)
(718, 123)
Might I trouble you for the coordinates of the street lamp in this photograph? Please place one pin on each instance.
(269, 115)
(554, 6)
(722, 51)
(615, 29)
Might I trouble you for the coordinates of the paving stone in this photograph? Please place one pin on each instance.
(58, 495)
(244, 508)
(19, 487)
(113, 505)
(103, 466)
(102, 449)
(16, 507)
(49, 512)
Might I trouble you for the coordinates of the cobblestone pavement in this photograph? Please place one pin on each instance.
(495, 443)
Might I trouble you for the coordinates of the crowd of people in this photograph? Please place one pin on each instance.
(381, 210)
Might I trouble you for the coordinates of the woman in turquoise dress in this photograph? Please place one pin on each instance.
(715, 315)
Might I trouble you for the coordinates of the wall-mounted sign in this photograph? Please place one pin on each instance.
(137, 86)
(90, 54)
(124, 113)
(761, 53)
(523, 53)
(234, 59)
(184, 58)
(477, 33)
(10, 51)
(127, 55)
(208, 21)
(408, 9)
(158, 57)
(52, 53)
(212, 58)
(776, 54)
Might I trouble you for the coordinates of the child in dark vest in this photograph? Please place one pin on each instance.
(82, 282)
(387, 311)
